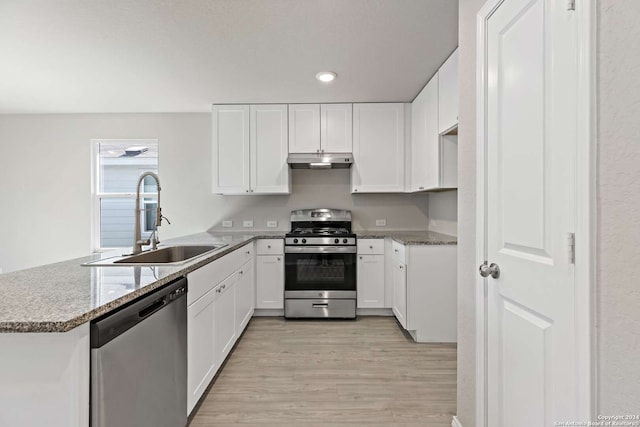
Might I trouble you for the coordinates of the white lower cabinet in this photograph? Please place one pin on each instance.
(225, 317)
(270, 274)
(245, 295)
(400, 293)
(424, 282)
(221, 301)
(200, 347)
(371, 273)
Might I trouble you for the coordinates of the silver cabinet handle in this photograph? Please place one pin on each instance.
(252, 191)
(421, 188)
(218, 290)
(395, 250)
(278, 258)
(487, 270)
(370, 247)
(246, 191)
(401, 267)
(269, 246)
(224, 286)
(248, 252)
(360, 257)
(241, 272)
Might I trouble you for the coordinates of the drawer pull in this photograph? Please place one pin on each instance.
(325, 305)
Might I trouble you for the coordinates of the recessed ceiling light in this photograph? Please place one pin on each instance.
(326, 76)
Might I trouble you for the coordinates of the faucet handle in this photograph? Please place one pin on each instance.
(165, 218)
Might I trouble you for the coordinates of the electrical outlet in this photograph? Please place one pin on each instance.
(247, 224)
(227, 224)
(381, 222)
(272, 224)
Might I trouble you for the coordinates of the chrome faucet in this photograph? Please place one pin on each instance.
(137, 234)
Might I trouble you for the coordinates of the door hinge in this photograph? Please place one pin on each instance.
(571, 243)
(571, 4)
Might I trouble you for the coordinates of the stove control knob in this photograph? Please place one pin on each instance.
(295, 240)
(336, 241)
(344, 240)
(304, 240)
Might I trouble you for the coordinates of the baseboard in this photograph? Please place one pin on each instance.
(374, 312)
(268, 312)
(455, 422)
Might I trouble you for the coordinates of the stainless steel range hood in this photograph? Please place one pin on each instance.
(320, 161)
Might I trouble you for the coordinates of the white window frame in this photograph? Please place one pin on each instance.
(97, 195)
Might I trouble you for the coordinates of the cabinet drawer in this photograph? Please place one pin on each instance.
(398, 252)
(371, 247)
(247, 252)
(270, 247)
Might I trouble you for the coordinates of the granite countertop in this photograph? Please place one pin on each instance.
(408, 237)
(59, 297)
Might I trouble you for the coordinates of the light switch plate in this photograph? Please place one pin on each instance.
(227, 224)
(381, 222)
(272, 224)
(247, 224)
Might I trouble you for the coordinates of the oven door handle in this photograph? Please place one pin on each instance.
(320, 249)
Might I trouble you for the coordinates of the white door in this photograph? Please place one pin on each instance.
(336, 128)
(200, 347)
(225, 317)
(304, 128)
(270, 281)
(231, 149)
(530, 130)
(400, 293)
(269, 149)
(245, 296)
(370, 281)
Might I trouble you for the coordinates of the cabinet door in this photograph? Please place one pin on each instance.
(378, 148)
(231, 164)
(270, 282)
(245, 296)
(201, 353)
(448, 94)
(225, 317)
(304, 128)
(400, 294)
(269, 150)
(425, 151)
(370, 281)
(336, 128)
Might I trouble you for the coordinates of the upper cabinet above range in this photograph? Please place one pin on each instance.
(250, 149)
(320, 128)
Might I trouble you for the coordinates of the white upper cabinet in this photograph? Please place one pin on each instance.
(269, 149)
(425, 140)
(336, 128)
(320, 128)
(231, 162)
(448, 97)
(304, 128)
(250, 146)
(378, 148)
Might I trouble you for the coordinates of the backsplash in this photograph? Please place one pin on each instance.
(320, 189)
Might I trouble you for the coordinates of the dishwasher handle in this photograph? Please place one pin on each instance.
(111, 325)
(152, 308)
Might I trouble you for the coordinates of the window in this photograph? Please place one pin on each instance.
(117, 167)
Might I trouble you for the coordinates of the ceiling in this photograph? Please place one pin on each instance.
(75, 56)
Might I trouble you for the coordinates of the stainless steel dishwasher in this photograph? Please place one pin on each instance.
(139, 362)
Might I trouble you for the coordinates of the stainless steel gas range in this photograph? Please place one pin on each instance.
(320, 265)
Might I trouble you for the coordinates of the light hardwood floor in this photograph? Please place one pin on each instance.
(332, 373)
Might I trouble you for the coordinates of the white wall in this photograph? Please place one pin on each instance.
(618, 277)
(45, 185)
(468, 10)
(443, 212)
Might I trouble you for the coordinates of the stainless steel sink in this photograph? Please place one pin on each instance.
(170, 255)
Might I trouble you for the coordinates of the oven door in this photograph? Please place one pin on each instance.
(320, 272)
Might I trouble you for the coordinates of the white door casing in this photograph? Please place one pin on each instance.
(531, 328)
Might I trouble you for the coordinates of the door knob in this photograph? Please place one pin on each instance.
(487, 270)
